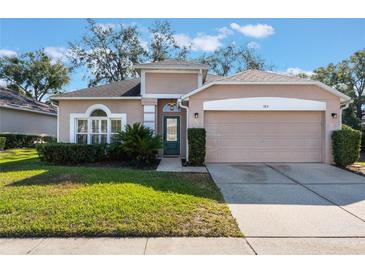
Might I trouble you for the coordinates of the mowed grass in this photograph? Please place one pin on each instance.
(37, 199)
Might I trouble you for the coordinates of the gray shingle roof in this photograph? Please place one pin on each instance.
(132, 87)
(12, 99)
(173, 63)
(212, 77)
(125, 88)
(253, 75)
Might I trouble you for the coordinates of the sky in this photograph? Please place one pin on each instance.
(291, 45)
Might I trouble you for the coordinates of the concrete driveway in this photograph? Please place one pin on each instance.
(297, 201)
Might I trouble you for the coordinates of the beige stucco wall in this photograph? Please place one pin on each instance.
(132, 108)
(182, 115)
(218, 92)
(170, 83)
(25, 122)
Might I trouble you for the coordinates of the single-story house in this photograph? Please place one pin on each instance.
(252, 116)
(23, 115)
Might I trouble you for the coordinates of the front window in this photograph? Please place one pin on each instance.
(98, 128)
(116, 126)
(99, 131)
(81, 132)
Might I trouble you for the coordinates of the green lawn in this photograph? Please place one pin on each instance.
(37, 199)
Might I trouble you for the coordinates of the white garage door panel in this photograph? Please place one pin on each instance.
(263, 136)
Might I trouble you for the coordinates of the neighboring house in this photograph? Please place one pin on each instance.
(253, 116)
(23, 115)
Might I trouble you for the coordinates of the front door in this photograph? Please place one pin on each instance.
(171, 135)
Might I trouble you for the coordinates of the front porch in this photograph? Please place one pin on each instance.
(169, 121)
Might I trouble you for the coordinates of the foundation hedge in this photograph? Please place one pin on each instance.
(68, 154)
(196, 140)
(25, 141)
(346, 144)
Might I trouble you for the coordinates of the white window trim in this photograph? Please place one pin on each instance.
(265, 104)
(86, 115)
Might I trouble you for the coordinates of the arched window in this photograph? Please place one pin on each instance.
(171, 107)
(98, 113)
(97, 126)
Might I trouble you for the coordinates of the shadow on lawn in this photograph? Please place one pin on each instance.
(199, 185)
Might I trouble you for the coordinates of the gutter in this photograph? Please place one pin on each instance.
(179, 102)
(29, 110)
(346, 104)
(96, 98)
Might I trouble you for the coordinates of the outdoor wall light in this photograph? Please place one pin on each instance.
(196, 115)
(334, 115)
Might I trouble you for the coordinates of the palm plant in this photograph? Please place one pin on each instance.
(140, 143)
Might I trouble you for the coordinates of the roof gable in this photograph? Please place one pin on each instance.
(257, 77)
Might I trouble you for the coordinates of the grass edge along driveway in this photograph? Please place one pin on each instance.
(40, 200)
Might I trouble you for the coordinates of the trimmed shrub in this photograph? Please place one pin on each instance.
(116, 152)
(63, 153)
(29, 141)
(2, 143)
(346, 146)
(196, 140)
(140, 144)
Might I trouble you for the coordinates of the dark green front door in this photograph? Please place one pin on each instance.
(171, 135)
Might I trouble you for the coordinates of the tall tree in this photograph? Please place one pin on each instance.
(248, 58)
(348, 77)
(109, 52)
(163, 44)
(231, 59)
(34, 74)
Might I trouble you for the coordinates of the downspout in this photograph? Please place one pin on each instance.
(345, 106)
(179, 102)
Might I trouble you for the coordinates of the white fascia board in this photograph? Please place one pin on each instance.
(167, 67)
(163, 96)
(319, 84)
(193, 71)
(97, 98)
(264, 104)
(30, 110)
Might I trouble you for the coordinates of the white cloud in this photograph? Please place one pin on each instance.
(7, 52)
(296, 71)
(56, 53)
(206, 42)
(182, 40)
(225, 31)
(256, 31)
(253, 45)
(202, 41)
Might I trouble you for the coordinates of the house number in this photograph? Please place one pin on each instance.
(265, 106)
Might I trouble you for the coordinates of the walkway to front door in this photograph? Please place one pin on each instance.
(171, 135)
(174, 165)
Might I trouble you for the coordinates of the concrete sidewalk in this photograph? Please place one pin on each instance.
(125, 246)
(182, 246)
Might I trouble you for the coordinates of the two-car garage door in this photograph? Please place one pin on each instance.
(264, 136)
